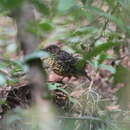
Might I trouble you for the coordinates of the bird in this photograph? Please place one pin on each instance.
(63, 63)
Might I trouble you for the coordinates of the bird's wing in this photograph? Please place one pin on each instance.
(66, 57)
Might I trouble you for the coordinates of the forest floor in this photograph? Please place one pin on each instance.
(76, 96)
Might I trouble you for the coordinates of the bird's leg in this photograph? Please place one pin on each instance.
(69, 77)
(89, 78)
(66, 78)
(62, 78)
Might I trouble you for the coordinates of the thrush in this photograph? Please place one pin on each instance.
(64, 63)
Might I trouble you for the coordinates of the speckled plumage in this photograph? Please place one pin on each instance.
(63, 63)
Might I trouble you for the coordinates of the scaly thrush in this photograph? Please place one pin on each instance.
(63, 63)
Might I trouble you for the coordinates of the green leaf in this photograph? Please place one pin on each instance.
(124, 3)
(37, 54)
(63, 90)
(74, 101)
(65, 5)
(12, 81)
(32, 26)
(108, 67)
(3, 65)
(43, 8)
(80, 65)
(3, 102)
(85, 30)
(83, 1)
(103, 57)
(111, 3)
(10, 4)
(56, 86)
(2, 80)
(121, 75)
(53, 86)
(46, 25)
(98, 49)
(94, 63)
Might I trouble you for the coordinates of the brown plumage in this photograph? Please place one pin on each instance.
(63, 63)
